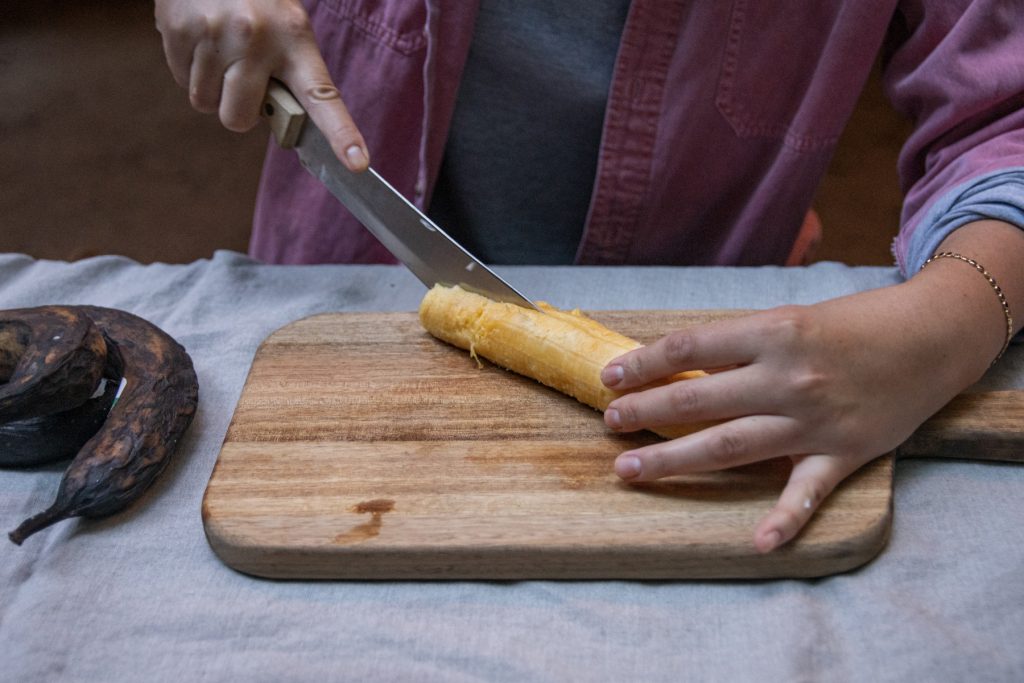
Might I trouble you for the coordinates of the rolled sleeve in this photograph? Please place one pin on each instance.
(955, 68)
(998, 195)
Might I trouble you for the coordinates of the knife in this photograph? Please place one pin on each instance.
(415, 240)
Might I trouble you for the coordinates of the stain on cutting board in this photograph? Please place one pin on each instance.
(361, 532)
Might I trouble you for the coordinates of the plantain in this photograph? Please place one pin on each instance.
(565, 350)
(49, 438)
(157, 403)
(51, 357)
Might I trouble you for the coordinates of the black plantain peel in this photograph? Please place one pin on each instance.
(51, 438)
(51, 360)
(124, 431)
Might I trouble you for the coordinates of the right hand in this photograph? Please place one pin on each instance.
(224, 52)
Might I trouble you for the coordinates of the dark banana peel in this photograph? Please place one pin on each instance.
(141, 431)
(53, 357)
(13, 342)
(47, 439)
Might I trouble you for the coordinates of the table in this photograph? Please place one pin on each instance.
(141, 597)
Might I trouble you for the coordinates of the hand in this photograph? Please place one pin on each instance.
(831, 386)
(224, 52)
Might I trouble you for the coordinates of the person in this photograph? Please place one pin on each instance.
(715, 122)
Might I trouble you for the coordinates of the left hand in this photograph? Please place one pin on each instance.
(831, 385)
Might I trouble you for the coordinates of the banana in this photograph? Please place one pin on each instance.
(159, 394)
(53, 357)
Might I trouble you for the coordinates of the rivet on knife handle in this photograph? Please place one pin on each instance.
(284, 114)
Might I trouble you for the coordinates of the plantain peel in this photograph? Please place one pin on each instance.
(121, 433)
(52, 358)
(50, 438)
(564, 350)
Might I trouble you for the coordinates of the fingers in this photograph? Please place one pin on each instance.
(307, 77)
(720, 344)
(221, 60)
(737, 442)
(225, 55)
(179, 57)
(230, 70)
(734, 393)
(813, 478)
(244, 87)
(243, 71)
(205, 79)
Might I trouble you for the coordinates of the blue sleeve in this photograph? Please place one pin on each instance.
(998, 195)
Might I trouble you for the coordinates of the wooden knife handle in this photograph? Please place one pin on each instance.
(284, 114)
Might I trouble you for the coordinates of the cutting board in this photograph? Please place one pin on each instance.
(363, 448)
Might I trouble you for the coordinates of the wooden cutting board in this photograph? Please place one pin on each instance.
(363, 448)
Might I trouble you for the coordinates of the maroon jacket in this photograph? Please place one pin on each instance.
(721, 119)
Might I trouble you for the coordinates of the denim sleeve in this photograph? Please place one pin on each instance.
(998, 195)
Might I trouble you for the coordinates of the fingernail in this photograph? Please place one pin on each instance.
(771, 540)
(612, 418)
(612, 375)
(356, 156)
(627, 466)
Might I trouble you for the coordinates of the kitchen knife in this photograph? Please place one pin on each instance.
(414, 239)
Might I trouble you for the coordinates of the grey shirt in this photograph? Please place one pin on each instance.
(521, 157)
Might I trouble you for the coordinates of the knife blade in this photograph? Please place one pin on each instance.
(428, 251)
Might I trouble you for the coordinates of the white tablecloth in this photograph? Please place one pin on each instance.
(141, 597)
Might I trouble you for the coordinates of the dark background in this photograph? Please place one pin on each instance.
(101, 153)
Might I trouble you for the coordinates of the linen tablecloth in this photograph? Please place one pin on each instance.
(141, 597)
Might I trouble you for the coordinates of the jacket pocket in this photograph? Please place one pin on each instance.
(398, 24)
(776, 80)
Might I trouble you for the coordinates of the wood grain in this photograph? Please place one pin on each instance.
(362, 448)
(975, 426)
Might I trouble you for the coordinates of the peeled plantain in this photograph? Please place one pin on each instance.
(155, 404)
(565, 350)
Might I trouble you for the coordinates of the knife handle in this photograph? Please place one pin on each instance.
(284, 114)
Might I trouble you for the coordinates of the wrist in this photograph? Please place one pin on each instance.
(996, 289)
(963, 313)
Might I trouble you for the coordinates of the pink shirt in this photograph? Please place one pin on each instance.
(721, 119)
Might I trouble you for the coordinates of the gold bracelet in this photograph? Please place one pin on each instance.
(995, 286)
